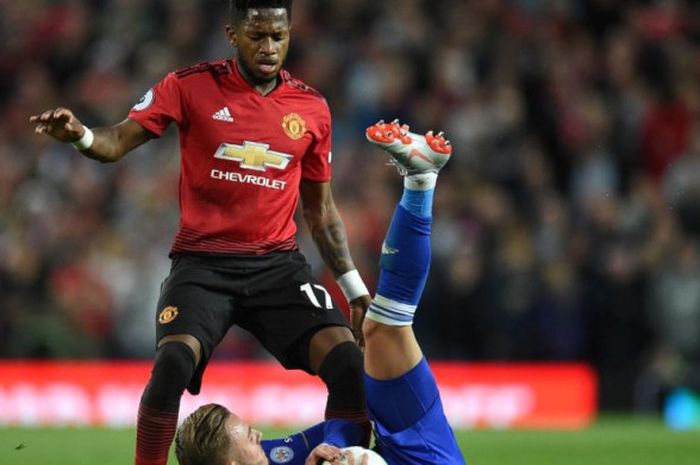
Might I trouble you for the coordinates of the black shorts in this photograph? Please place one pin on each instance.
(274, 296)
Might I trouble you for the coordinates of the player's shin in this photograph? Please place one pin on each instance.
(346, 410)
(405, 261)
(157, 419)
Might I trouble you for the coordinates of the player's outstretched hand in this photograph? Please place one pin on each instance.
(324, 452)
(61, 124)
(358, 308)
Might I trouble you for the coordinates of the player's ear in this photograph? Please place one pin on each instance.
(232, 35)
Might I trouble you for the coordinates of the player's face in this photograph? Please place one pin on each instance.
(245, 443)
(262, 40)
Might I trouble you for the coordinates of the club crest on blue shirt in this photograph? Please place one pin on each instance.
(281, 454)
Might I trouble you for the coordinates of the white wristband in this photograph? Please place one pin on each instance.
(84, 142)
(352, 286)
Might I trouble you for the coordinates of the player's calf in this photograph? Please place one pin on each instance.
(173, 369)
(342, 372)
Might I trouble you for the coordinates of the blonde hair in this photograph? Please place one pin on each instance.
(202, 438)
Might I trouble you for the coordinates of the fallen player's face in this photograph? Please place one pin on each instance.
(245, 442)
(263, 41)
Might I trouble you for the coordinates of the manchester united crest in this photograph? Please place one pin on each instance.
(167, 315)
(294, 126)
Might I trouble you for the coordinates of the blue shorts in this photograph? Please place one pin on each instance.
(409, 421)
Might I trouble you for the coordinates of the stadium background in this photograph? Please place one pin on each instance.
(566, 226)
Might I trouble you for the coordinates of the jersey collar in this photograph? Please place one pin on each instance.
(242, 82)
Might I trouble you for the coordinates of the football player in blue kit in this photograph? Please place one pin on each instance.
(410, 426)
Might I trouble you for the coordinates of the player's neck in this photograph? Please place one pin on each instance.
(263, 88)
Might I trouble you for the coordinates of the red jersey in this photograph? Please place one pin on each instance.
(243, 155)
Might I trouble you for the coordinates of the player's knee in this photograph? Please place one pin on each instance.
(342, 370)
(346, 355)
(173, 368)
(186, 339)
(322, 342)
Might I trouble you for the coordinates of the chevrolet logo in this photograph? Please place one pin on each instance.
(253, 156)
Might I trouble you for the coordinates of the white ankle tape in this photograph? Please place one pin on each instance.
(390, 312)
(420, 182)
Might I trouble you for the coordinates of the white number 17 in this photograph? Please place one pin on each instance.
(308, 290)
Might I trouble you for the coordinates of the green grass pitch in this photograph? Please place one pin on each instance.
(611, 441)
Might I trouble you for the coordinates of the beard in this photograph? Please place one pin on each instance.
(252, 77)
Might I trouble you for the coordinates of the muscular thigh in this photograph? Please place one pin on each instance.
(191, 303)
(287, 309)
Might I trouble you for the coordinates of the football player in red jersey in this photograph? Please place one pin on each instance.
(253, 140)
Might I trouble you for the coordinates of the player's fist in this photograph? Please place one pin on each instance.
(358, 308)
(61, 124)
(324, 453)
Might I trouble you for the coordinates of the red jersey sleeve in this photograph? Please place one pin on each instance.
(160, 106)
(316, 164)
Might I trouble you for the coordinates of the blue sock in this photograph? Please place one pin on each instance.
(404, 266)
(420, 203)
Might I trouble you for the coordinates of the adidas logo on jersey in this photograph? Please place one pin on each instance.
(223, 115)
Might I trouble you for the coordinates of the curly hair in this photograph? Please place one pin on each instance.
(239, 8)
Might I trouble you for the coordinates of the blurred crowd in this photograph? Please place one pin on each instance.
(566, 228)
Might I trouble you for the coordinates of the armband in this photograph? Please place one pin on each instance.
(84, 142)
(352, 285)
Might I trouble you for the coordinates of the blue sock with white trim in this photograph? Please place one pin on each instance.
(405, 261)
(418, 193)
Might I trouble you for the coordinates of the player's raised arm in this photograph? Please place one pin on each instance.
(106, 144)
